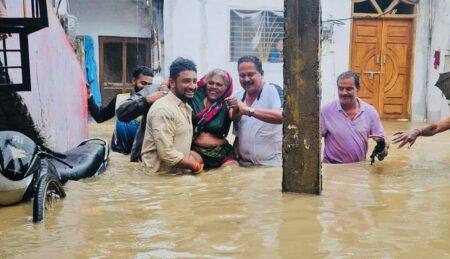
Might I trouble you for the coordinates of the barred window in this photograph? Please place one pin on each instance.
(258, 33)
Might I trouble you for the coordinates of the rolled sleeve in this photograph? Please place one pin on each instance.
(376, 127)
(164, 132)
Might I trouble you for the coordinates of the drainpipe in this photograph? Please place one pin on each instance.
(427, 70)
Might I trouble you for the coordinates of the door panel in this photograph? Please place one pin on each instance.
(365, 45)
(381, 55)
(396, 67)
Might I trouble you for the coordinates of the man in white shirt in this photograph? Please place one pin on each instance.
(257, 112)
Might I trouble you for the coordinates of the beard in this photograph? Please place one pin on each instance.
(137, 88)
(183, 95)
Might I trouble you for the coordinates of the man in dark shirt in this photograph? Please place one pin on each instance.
(138, 105)
(124, 133)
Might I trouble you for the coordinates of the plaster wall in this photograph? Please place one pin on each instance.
(120, 18)
(432, 34)
(335, 56)
(57, 101)
(200, 30)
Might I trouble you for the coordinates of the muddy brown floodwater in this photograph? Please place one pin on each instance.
(398, 208)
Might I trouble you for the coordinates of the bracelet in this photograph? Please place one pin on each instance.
(197, 166)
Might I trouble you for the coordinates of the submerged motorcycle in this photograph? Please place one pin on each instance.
(31, 171)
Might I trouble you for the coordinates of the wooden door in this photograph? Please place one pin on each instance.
(381, 55)
(366, 57)
(118, 58)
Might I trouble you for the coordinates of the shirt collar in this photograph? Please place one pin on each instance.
(177, 101)
(362, 105)
(259, 94)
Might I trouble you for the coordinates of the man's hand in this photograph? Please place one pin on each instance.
(381, 148)
(197, 169)
(89, 93)
(405, 137)
(383, 153)
(238, 107)
(164, 86)
(155, 96)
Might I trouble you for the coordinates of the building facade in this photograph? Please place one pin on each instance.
(399, 47)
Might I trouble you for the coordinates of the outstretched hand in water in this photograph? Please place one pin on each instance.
(406, 137)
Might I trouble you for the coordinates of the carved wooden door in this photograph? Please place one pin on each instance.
(381, 55)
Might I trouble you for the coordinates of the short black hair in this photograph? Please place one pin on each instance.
(142, 70)
(349, 74)
(252, 59)
(179, 65)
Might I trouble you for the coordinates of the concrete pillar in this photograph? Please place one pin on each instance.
(301, 137)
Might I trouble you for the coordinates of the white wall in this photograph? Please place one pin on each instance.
(200, 30)
(122, 18)
(427, 100)
(335, 51)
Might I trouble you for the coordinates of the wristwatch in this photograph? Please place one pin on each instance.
(251, 112)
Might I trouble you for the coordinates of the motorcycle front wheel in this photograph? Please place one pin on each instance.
(48, 190)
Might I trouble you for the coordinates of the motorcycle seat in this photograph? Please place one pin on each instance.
(85, 160)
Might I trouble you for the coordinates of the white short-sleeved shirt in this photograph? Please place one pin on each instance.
(260, 143)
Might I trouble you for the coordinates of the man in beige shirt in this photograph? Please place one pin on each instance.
(168, 133)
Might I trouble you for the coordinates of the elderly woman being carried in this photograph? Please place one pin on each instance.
(211, 120)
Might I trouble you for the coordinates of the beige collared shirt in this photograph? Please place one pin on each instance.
(168, 134)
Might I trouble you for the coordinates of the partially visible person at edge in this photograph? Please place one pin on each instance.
(348, 123)
(257, 112)
(211, 120)
(410, 136)
(168, 134)
(124, 132)
(276, 53)
(137, 106)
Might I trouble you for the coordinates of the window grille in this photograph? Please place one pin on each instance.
(258, 33)
(14, 54)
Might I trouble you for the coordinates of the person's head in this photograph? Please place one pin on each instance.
(250, 74)
(217, 83)
(183, 78)
(142, 76)
(279, 44)
(348, 86)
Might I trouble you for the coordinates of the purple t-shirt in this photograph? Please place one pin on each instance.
(346, 141)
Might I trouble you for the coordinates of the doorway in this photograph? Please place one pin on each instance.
(381, 53)
(118, 57)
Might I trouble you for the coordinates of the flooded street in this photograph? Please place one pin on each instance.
(398, 208)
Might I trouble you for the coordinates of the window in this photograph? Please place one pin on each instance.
(384, 7)
(258, 33)
(118, 58)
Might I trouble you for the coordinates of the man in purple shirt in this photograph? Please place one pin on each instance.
(348, 123)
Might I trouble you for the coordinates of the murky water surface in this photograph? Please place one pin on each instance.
(399, 208)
